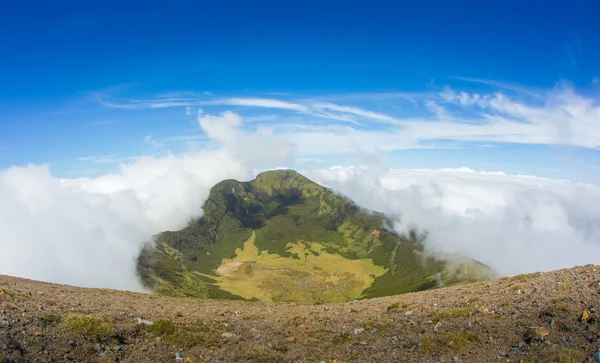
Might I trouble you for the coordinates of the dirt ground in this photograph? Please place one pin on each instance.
(544, 317)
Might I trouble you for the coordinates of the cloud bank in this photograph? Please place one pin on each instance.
(88, 231)
(515, 224)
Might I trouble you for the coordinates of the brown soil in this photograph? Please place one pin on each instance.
(482, 322)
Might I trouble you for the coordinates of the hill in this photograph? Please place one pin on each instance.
(480, 322)
(282, 237)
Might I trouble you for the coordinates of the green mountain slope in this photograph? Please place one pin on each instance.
(282, 237)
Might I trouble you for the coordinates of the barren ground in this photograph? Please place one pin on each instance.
(482, 322)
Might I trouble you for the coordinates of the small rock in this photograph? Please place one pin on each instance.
(99, 348)
(536, 333)
(469, 325)
(585, 315)
(144, 321)
(117, 348)
(597, 355)
(455, 358)
(228, 335)
(521, 344)
(358, 330)
(177, 356)
(415, 347)
(374, 331)
(395, 338)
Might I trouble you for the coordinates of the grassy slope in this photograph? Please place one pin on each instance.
(329, 249)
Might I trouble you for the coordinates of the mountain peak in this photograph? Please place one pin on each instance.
(283, 237)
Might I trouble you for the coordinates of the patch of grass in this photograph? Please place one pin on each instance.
(162, 327)
(297, 320)
(525, 277)
(342, 338)
(396, 307)
(314, 276)
(89, 327)
(516, 287)
(433, 342)
(564, 287)
(50, 319)
(185, 336)
(554, 354)
(453, 313)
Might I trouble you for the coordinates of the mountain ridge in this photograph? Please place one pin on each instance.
(286, 238)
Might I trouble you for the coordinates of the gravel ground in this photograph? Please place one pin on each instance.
(543, 317)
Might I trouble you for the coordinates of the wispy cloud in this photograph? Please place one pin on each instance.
(505, 114)
(108, 159)
(264, 102)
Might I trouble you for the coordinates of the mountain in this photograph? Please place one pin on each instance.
(282, 237)
(540, 317)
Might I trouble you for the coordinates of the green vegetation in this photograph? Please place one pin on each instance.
(396, 307)
(282, 237)
(453, 313)
(89, 327)
(185, 336)
(539, 353)
(49, 319)
(436, 342)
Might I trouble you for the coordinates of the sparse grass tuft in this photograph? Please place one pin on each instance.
(453, 313)
(525, 277)
(396, 307)
(185, 336)
(554, 354)
(564, 287)
(50, 319)
(89, 327)
(453, 340)
(516, 287)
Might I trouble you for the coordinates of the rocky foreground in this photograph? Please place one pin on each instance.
(542, 317)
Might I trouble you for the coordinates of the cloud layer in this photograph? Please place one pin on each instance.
(515, 224)
(88, 231)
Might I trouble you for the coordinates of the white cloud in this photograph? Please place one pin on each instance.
(188, 111)
(264, 102)
(88, 231)
(148, 139)
(515, 224)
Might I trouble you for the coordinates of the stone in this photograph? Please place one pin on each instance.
(585, 315)
(358, 330)
(178, 356)
(374, 331)
(536, 334)
(395, 338)
(228, 335)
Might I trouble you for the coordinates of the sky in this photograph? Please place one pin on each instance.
(465, 117)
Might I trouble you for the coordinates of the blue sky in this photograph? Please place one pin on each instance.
(499, 85)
